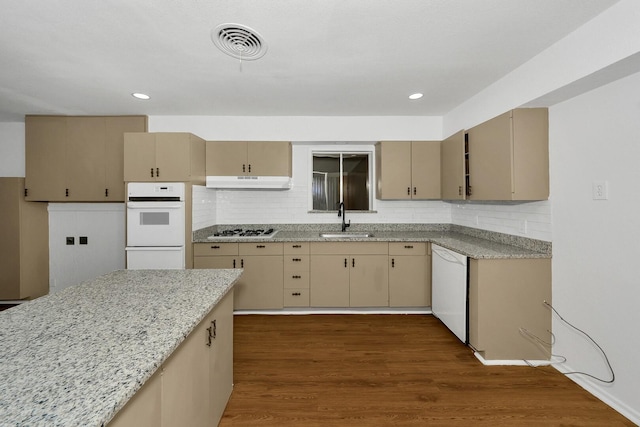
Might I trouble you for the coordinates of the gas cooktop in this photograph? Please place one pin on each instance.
(239, 233)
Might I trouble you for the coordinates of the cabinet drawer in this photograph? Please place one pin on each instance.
(349, 248)
(407, 248)
(225, 261)
(296, 263)
(296, 248)
(296, 297)
(260, 248)
(207, 249)
(296, 279)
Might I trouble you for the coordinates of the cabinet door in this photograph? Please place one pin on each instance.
(425, 170)
(185, 381)
(393, 165)
(490, 159)
(530, 154)
(269, 158)
(261, 283)
(226, 158)
(10, 230)
(144, 408)
(452, 169)
(369, 281)
(45, 152)
(85, 159)
(409, 279)
(329, 281)
(139, 157)
(173, 159)
(114, 153)
(221, 359)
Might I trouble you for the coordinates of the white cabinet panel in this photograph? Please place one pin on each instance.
(102, 224)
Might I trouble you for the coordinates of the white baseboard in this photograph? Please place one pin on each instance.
(509, 362)
(632, 414)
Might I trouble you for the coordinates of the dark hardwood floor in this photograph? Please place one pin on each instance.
(389, 370)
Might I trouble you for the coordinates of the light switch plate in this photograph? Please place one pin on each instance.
(600, 190)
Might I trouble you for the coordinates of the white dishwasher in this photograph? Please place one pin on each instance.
(449, 289)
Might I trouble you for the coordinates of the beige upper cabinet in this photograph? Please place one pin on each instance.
(45, 157)
(408, 170)
(248, 158)
(77, 158)
(452, 167)
(85, 157)
(509, 156)
(164, 156)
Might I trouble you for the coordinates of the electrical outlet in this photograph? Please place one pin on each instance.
(523, 227)
(600, 190)
(71, 241)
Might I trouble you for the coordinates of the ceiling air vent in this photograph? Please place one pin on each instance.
(239, 41)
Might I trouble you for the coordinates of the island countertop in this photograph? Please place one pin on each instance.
(76, 357)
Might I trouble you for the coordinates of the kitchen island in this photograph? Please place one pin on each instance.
(76, 357)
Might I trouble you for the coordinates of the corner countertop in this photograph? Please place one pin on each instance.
(482, 245)
(74, 358)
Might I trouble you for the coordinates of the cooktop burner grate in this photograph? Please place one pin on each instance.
(241, 232)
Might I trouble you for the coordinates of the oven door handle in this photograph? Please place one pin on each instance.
(154, 205)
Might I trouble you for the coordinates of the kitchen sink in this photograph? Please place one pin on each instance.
(353, 235)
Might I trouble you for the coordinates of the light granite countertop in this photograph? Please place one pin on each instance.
(477, 244)
(74, 358)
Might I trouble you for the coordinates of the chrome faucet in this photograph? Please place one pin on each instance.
(341, 213)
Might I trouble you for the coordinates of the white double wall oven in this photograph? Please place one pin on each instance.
(155, 225)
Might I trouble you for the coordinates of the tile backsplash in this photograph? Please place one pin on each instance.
(211, 207)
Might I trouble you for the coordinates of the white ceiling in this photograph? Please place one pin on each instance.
(324, 58)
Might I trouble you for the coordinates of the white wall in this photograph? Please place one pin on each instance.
(301, 128)
(596, 137)
(12, 149)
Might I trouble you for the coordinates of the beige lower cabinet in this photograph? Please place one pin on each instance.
(506, 298)
(409, 274)
(296, 274)
(193, 386)
(220, 359)
(144, 408)
(349, 274)
(261, 283)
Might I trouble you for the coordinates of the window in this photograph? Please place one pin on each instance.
(341, 177)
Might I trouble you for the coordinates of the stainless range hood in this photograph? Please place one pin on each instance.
(250, 182)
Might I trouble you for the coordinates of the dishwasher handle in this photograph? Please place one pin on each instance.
(445, 255)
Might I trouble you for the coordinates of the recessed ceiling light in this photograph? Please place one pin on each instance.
(140, 95)
(415, 96)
